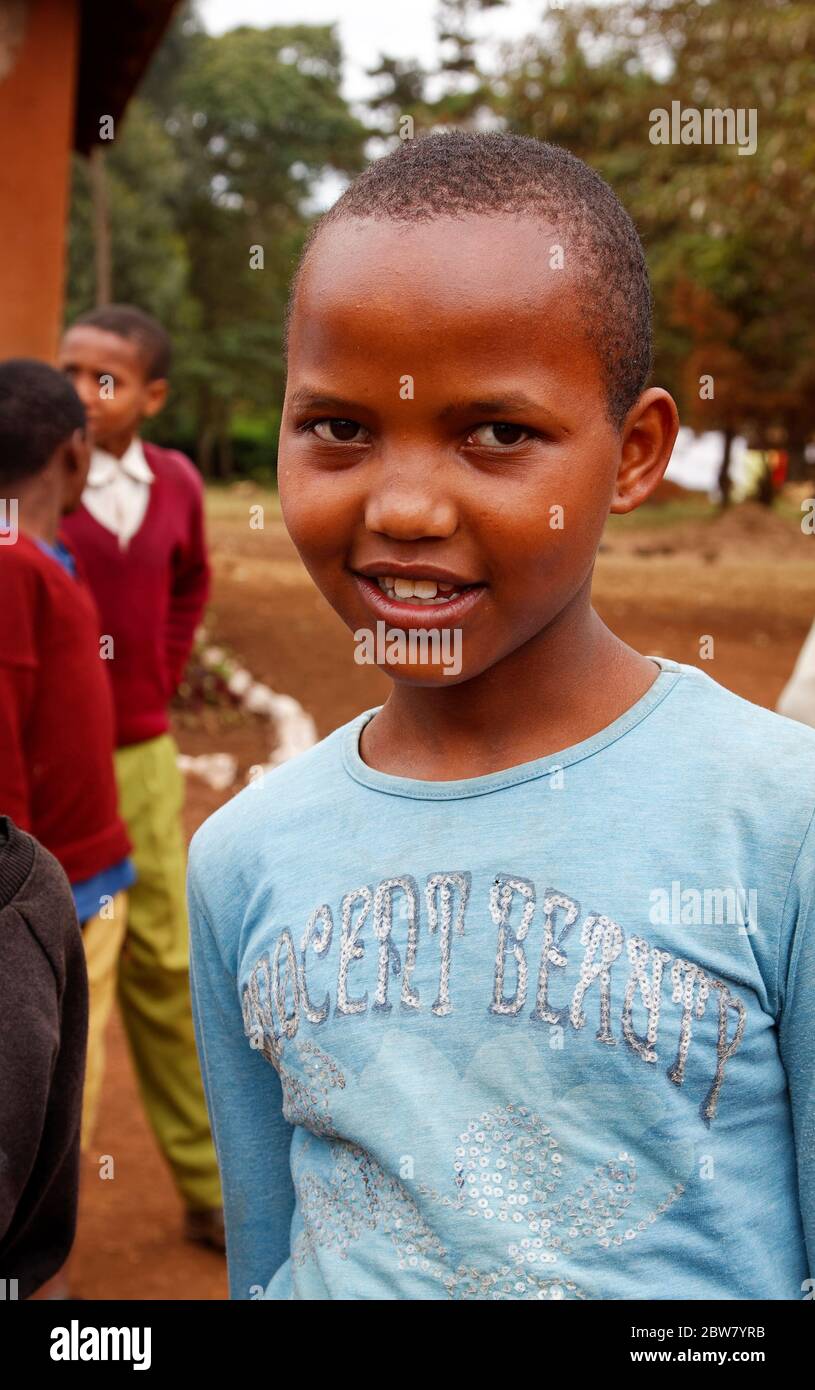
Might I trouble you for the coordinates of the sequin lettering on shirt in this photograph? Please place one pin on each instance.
(389, 961)
(275, 998)
(351, 949)
(444, 891)
(597, 934)
(641, 955)
(320, 942)
(510, 939)
(551, 955)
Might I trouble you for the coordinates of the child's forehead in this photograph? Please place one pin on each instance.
(467, 281)
(507, 244)
(91, 342)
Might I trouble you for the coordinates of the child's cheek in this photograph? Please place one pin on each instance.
(313, 519)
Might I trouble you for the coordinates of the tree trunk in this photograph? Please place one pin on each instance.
(227, 459)
(103, 272)
(764, 492)
(798, 470)
(204, 448)
(725, 481)
(205, 435)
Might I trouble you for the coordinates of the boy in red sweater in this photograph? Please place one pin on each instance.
(56, 712)
(140, 535)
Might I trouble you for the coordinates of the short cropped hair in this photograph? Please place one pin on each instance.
(460, 172)
(126, 321)
(39, 410)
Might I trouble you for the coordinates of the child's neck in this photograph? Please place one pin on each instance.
(39, 514)
(117, 447)
(572, 680)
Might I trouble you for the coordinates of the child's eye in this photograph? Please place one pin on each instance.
(502, 434)
(336, 431)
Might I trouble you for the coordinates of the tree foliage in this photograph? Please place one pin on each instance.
(209, 186)
(232, 137)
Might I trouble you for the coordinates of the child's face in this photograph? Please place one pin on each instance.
(109, 375)
(445, 419)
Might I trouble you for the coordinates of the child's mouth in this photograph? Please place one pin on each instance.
(429, 591)
(417, 600)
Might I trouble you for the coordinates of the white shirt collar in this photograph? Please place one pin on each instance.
(105, 467)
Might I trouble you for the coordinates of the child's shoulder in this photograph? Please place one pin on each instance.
(172, 466)
(747, 747)
(738, 720)
(45, 609)
(291, 799)
(29, 571)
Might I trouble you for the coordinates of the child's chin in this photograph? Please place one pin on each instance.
(428, 677)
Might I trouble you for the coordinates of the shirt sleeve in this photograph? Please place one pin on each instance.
(190, 590)
(18, 677)
(245, 1102)
(797, 1029)
(15, 795)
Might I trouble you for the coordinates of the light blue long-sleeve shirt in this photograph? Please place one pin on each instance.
(546, 1033)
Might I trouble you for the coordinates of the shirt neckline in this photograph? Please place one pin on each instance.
(106, 468)
(419, 790)
(58, 551)
(90, 498)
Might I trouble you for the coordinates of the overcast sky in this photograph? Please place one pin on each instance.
(401, 28)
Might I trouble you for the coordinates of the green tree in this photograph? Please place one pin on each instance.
(454, 91)
(212, 184)
(727, 226)
(150, 264)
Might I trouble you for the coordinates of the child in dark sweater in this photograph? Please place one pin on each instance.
(43, 1028)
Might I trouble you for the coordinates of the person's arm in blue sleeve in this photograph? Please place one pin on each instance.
(797, 1031)
(245, 1102)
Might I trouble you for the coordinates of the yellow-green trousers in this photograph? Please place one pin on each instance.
(153, 976)
(102, 937)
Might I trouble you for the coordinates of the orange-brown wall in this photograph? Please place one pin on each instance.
(36, 130)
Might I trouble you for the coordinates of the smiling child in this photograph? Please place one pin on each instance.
(450, 1050)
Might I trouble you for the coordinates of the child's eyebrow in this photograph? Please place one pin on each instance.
(306, 399)
(499, 407)
(512, 401)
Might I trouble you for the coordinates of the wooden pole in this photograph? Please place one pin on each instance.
(101, 227)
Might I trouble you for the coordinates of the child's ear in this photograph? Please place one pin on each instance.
(648, 437)
(155, 396)
(79, 453)
(76, 460)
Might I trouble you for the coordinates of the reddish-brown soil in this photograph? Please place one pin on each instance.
(747, 581)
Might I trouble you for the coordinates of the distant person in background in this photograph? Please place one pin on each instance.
(140, 535)
(43, 1027)
(797, 699)
(56, 712)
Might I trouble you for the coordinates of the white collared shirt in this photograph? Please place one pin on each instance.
(117, 492)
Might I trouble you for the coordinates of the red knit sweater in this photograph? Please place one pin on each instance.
(151, 595)
(56, 714)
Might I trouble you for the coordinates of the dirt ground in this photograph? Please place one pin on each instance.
(663, 583)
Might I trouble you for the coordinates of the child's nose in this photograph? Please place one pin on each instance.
(87, 388)
(411, 511)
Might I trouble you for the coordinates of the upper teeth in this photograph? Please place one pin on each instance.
(425, 590)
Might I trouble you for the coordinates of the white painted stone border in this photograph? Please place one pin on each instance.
(296, 730)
